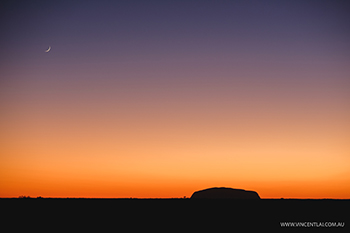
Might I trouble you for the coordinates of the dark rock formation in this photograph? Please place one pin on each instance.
(224, 193)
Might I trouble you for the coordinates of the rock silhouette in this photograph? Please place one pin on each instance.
(224, 193)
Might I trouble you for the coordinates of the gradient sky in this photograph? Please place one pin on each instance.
(163, 98)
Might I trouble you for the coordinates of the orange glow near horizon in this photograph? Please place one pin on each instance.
(172, 156)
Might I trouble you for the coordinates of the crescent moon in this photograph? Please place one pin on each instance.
(48, 49)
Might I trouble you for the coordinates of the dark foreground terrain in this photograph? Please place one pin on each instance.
(187, 215)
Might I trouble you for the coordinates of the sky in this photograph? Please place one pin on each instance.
(163, 98)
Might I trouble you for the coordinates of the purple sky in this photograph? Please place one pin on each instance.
(259, 74)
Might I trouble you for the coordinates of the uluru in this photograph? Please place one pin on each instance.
(224, 193)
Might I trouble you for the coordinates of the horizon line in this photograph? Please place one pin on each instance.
(164, 198)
